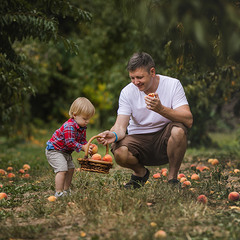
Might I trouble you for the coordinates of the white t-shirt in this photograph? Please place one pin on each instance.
(143, 120)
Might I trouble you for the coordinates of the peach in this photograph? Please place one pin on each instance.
(52, 199)
(183, 179)
(233, 196)
(96, 156)
(164, 173)
(9, 169)
(3, 195)
(26, 175)
(195, 177)
(21, 170)
(107, 158)
(2, 172)
(164, 170)
(11, 175)
(160, 234)
(94, 148)
(186, 184)
(202, 199)
(151, 94)
(193, 167)
(202, 168)
(26, 167)
(181, 175)
(215, 162)
(157, 175)
(236, 171)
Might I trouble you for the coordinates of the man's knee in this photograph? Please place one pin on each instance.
(178, 134)
(121, 154)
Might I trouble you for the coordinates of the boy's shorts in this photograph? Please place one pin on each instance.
(60, 161)
(150, 149)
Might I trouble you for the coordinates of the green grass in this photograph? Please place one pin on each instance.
(100, 209)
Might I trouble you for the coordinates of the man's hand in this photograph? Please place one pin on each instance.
(153, 103)
(107, 137)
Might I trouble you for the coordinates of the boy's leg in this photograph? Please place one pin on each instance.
(68, 179)
(59, 181)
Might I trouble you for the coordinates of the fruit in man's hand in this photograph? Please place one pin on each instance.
(107, 158)
(233, 196)
(202, 199)
(96, 156)
(151, 94)
(94, 148)
(3, 195)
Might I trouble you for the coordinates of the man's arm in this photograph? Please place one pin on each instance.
(119, 128)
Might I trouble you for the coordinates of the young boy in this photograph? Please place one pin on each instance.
(71, 136)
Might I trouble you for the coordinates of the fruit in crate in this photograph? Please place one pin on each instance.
(96, 156)
(107, 158)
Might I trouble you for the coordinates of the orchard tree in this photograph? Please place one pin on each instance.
(35, 20)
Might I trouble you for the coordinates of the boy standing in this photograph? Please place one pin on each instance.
(71, 136)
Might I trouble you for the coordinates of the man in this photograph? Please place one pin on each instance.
(156, 125)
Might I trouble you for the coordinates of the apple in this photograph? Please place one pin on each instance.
(94, 148)
(107, 158)
(26, 175)
(9, 169)
(215, 162)
(3, 195)
(151, 94)
(183, 179)
(21, 170)
(233, 196)
(96, 156)
(164, 170)
(202, 199)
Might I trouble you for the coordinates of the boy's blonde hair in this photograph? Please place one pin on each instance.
(82, 106)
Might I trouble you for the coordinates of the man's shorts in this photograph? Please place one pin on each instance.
(150, 149)
(60, 161)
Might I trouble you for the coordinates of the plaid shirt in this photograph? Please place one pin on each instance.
(69, 137)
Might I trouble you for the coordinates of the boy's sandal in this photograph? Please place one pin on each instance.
(137, 182)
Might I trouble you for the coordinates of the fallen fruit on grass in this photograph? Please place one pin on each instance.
(96, 156)
(215, 162)
(193, 167)
(236, 171)
(164, 170)
(153, 224)
(160, 234)
(26, 167)
(195, 177)
(180, 175)
(157, 175)
(183, 179)
(186, 184)
(21, 170)
(94, 148)
(164, 173)
(202, 168)
(2, 172)
(233, 196)
(27, 175)
(202, 199)
(11, 175)
(107, 158)
(3, 195)
(52, 199)
(9, 169)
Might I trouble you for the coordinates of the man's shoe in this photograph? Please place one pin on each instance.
(137, 182)
(173, 181)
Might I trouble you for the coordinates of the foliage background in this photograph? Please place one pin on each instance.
(53, 51)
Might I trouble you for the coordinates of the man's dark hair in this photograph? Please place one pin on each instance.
(140, 60)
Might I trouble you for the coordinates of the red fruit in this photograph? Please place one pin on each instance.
(96, 156)
(233, 196)
(11, 175)
(21, 170)
(26, 175)
(94, 148)
(151, 94)
(2, 172)
(181, 175)
(195, 177)
(9, 169)
(107, 158)
(3, 195)
(202, 199)
(157, 175)
(186, 184)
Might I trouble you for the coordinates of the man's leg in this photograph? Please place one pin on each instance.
(176, 148)
(125, 159)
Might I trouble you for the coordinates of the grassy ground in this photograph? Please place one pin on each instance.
(100, 209)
